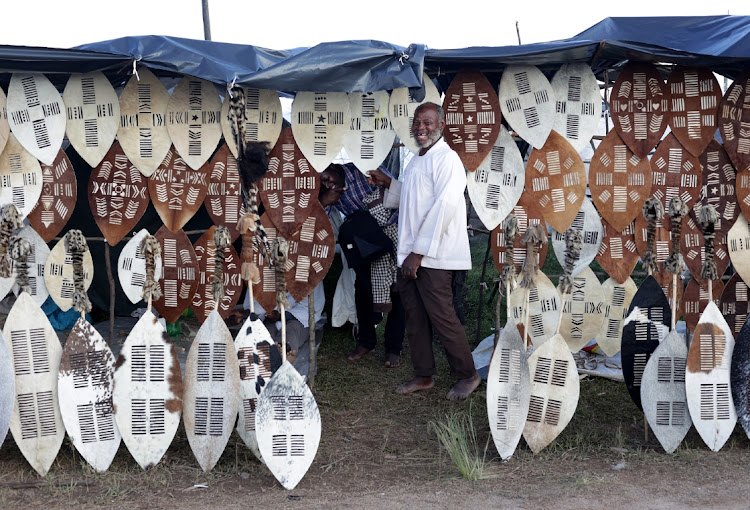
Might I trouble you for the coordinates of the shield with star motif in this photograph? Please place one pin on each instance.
(578, 104)
(223, 199)
(721, 187)
(20, 177)
(692, 246)
(695, 299)
(583, 311)
(403, 104)
(179, 274)
(370, 136)
(733, 303)
(526, 215)
(589, 224)
(695, 95)
(58, 274)
(203, 299)
(617, 298)
(528, 103)
(542, 311)
(263, 118)
(320, 122)
(57, 199)
(734, 116)
(618, 253)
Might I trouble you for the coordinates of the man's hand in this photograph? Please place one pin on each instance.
(378, 178)
(410, 266)
(273, 315)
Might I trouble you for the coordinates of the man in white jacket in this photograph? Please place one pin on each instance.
(432, 243)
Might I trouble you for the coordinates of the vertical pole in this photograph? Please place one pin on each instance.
(206, 21)
(481, 290)
(606, 102)
(313, 348)
(111, 281)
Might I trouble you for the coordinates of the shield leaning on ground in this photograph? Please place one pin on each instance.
(263, 118)
(203, 300)
(58, 274)
(740, 376)
(543, 309)
(508, 390)
(556, 181)
(93, 115)
(148, 391)
(617, 298)
(320, 121)
(646, 324)
(526, 215)
(131, 267)
(640, 104)
(85, 383)
(528, 103)
(57, 199)
(402, 105)
(734, 114)
(212, 391)
(555, 389)
(734, 303)
(7, 389)
(143, 132)
(36, 115)
(618, 254)
(497, 184)
(370, 137)
(4, 126)
(472, 117)
(707, 379)
(36, 424)
(179, 274)
(578, 104)
(738, 243)
(20, 177)
(695, 95)
(695, 299)
(223, 201)
(720, 187)
(583, 313)
(588, 222)
(287, 425)
(693, 248)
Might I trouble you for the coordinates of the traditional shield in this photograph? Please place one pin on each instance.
(58, 198)
(36, 115)
(263, 118)
(695, 299)
(36, 424)
(589, 224)
(4, 126)
(36, 261)
(707, 379)
(528, 103)
(311, 251)
(719, 179)
(640, 104)
(734, 304)
(193, 120)
(212, 391)
(692, 245)
(675, 173)
(402, 106)
(472, 117)
(663, 392)
(320, 122)
(370, 136)
(646, 325)
(556, 181)
(223, 201)
(7, 390)
(497, 184)
(734, 115)
(177, 190)
(58, 274)
(203, 299)
(259, 359)
(287, 424)
(543, 309)
(738, 243)
(583, 313)
(526, 215)
(290, 187)
(148, 391)
(508, 390)
(93, 115)
(143, 130)
(618, 254)
(620, 181)
(131, 267)
(85, 384)
(20, 177)
(662, 244)
(617, 298)
(695, 100)
(740, 375)
(118, 195)
(578, 105)
(179, 274)
(554, 393)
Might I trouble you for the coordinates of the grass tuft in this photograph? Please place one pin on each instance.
(458, 436)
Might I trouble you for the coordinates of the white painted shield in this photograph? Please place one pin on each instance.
(131, 267)
(93, 114)
(320, 122)
(707, 379)
(37, 259)
(143, 132)
(36, 424)
(544, 309)
(589, 224)
(583, 313)
(148, 391)
(20, 177)
(496, 186)
(370, 136)
(555, 388)
(401, 109)
(7, 390)
(617, 298)
(578, 104)
(528, 103)
(508, 387)
(212, 391)
(193, 120)
(738, 242)
(85, 387)
(287, 424)
(4, 126)
(58, 274)
(36, 115)
(263, 118)
(663, 392)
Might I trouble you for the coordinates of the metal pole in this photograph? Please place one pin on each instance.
(518, 33)
(206, 21)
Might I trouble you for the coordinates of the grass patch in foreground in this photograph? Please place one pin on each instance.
(457, 435)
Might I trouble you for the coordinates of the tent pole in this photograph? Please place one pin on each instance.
(206, 21)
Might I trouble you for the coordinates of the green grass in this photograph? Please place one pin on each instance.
(458, 437)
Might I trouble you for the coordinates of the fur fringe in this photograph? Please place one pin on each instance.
(573, 246)
(280, 256)
(237, 118)
(151, 249)
(534, 237)
(222, 239)
(10, 220)
(19, 250)
(250, 273)
(511, 231)
(75, 245)
(653, 211)
(707, 218)
(675, 264)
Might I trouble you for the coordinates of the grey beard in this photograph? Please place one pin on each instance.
(434, 137)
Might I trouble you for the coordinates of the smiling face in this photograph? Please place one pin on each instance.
(427, 127)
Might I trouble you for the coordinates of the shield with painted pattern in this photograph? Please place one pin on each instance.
(57, 199)
(528, 103)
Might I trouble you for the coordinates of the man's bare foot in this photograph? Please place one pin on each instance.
(416, 384)
(464, 387)
(358, 353)
(392, 360)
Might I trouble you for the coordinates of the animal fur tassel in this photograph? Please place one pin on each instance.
(511, 232)
(280, 256)
(573, 245)
(75, 245)
(10, 220)
(222, 239)
(19, 251)
(534, 237)
(151, 251)
(653, 211)
(707, 218)
(675, 264)
(237, 117)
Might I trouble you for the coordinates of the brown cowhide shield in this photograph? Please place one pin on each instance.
(695, 299)
(179, 279)
(693, 247)
(58, 198)
(734, 117)
(223, 200)
(720, 180)
(734, 304)
(618, 253)
(695, 101)
(203, 299)
(526, 216)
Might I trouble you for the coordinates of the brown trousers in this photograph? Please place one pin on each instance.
(428, 302)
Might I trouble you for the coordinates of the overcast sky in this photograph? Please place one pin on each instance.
(282, 24)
